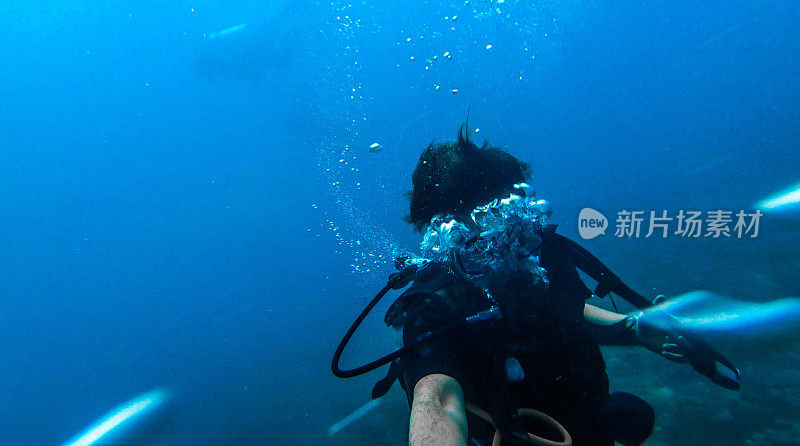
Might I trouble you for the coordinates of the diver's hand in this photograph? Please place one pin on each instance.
(664, 334)
(656, 337)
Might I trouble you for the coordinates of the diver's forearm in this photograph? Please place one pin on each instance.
(438, 413)
(599, 316)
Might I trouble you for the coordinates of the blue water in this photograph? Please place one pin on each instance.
(212, 228)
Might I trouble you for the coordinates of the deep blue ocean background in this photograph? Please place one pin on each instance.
(201, 214)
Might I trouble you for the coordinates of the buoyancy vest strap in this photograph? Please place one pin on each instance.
(607, 281)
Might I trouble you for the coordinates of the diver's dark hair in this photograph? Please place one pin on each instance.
(453, 178)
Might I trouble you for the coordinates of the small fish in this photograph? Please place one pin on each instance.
(126, 421)
(788, 199)
(375, 148)
(357, 414)
(227, 31)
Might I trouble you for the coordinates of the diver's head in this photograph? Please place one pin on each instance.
(453, 178)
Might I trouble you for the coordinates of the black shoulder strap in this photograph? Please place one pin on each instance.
(394, 373)
(607, 281)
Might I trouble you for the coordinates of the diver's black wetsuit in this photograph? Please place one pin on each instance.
(542, 328)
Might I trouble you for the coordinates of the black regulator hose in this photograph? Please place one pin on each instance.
(385, 359)
(372, 365)
(397, 281)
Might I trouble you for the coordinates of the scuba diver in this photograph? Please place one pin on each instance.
(499, 344)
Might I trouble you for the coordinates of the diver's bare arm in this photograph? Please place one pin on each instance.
(608, 327)
(599, 316)
(658, 341)
(438, 414)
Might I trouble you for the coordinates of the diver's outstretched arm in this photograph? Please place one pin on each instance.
(608, 327)
(438, 413)
(612, 328)
(598, 316)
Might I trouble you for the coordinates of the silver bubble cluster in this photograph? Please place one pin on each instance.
(506, 236)
(521, 208)
(442, 237)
